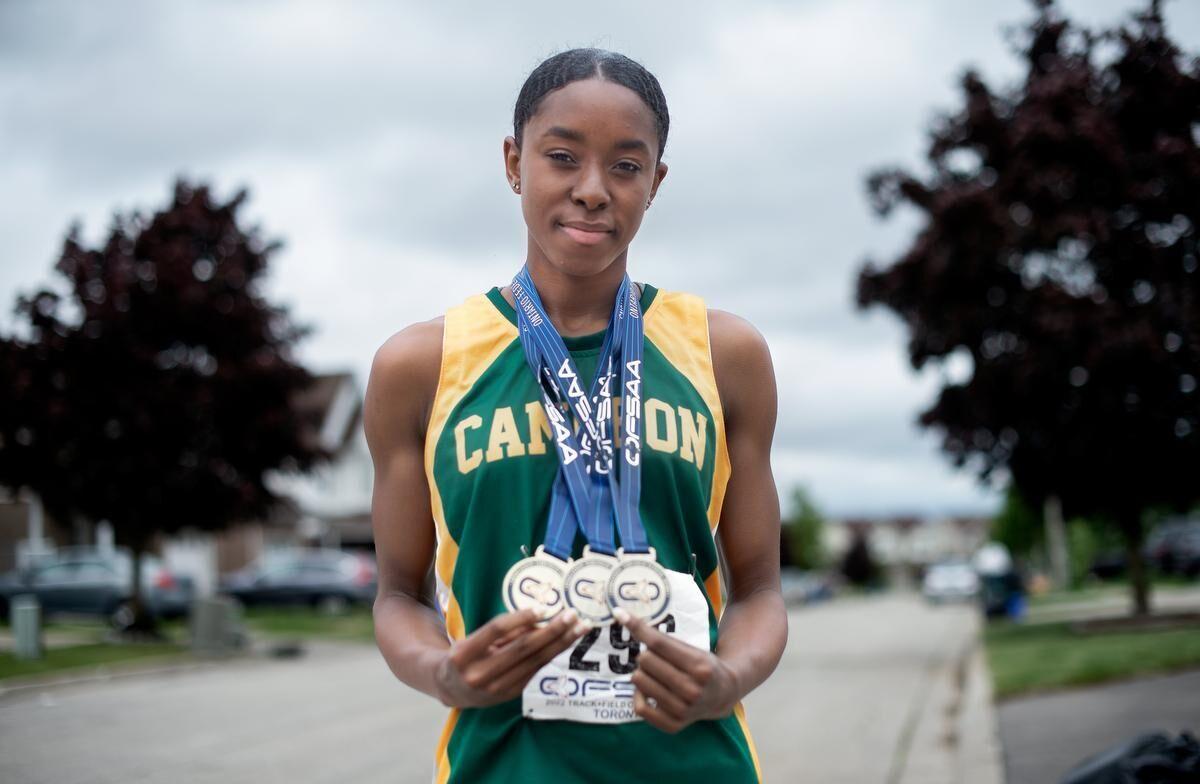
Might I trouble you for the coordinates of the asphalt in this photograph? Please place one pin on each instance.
(881, 689)
(1046, 736)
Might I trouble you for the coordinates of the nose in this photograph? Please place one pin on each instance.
(591, 189)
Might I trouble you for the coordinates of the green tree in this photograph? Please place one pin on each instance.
(1018, 525)
(804, 529)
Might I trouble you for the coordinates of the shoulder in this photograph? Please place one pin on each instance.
(403, 381)
(733, 335)
(741, 362)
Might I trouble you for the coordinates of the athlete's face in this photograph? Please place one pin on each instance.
(586, 169)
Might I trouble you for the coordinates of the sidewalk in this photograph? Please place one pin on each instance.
(1162, 599)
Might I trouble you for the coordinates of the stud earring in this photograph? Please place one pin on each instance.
(516, 187)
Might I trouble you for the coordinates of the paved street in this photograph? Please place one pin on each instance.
(871, 690)
(1047, 735)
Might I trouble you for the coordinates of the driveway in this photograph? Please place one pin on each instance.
(1047, 735)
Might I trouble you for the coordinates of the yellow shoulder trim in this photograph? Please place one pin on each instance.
(677, 324)
(474, 335)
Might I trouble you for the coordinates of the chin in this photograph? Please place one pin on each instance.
(581, 262)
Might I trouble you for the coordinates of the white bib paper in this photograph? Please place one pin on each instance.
(589, 682)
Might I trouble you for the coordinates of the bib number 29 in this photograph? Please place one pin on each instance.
(623, 659)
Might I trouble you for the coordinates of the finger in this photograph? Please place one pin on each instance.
(526, 646)
(677, 681)
(651, 687)
(477, 643)
(675, 651)
(508, 637)
(654, 715)
(513, 681)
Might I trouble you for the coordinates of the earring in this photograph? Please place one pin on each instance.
(516, 187)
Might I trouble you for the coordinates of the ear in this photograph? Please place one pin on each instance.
(660, 172)
(512, 160)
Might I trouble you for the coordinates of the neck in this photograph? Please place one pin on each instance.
(576, 305)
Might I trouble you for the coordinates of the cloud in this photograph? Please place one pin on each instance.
(370, 138)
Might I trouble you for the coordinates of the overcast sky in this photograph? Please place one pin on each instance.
(369, 135)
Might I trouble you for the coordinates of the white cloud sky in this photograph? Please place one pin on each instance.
(369, 135)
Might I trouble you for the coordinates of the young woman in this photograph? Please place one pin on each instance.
(465, 467)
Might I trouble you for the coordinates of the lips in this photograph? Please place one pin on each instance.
(585, 233)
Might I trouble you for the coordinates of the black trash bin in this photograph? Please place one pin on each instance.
(1153, 758)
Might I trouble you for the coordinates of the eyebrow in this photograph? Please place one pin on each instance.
(576, 136)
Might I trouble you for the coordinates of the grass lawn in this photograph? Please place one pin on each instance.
(92, 650)
(355, 624)
(1109, 589)
(86, 656)
(1050, 656)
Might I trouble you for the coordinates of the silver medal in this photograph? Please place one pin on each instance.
(585, 585)
(537, 582)
(638, 585)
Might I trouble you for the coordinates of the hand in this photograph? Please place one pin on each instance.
(493, 663)
(677, 683)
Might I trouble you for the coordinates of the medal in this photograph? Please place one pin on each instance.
(638, 585)
(585, 587)
(535, 582)
(588, 494)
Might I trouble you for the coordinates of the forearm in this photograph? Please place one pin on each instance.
(752, 637)
(412, 639)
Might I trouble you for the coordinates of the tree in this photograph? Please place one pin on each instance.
(1018, 526)
(1059, 253)
(161, 404)
(803, 529)
(858, 565)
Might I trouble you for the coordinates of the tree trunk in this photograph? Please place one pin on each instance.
(1056, 543)
(1139, 583)
(144, 623)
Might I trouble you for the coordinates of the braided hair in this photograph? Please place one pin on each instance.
(576, 64)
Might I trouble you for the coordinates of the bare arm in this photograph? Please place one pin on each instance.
(398, 398)
(493, 663)
(754, 625)
(687, 683)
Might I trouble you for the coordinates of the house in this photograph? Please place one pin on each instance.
(905, 545)
(329, 506)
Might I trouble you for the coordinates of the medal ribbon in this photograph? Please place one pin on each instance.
(573, 503)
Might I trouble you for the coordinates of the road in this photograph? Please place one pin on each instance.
(1047, 735)
(880, 690)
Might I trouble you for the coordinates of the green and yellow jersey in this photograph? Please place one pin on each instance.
(490, 462)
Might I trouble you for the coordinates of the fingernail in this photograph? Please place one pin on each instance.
(621, 615)
(568, 617)
(581, 627)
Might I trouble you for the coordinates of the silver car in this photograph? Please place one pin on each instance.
(950, 581)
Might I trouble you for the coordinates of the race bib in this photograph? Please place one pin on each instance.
(589, 682)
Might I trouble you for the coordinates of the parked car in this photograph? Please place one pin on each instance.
(97, 582)
(801, 587)
(1172, 547)
(323, 578)
(950, 581)
(1185, 554)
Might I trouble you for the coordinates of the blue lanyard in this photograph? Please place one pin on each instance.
(577, 500)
